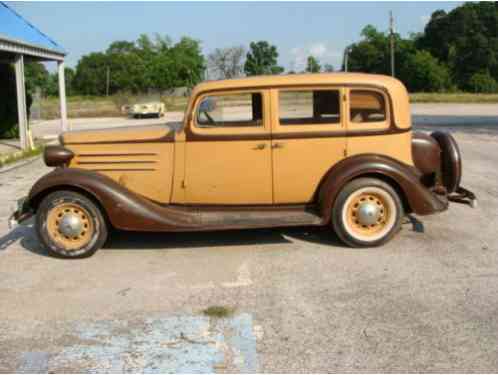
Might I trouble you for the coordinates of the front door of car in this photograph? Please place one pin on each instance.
(228, 153)
(308, 138)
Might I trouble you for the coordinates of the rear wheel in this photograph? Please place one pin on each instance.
(367, 213)
(70, 225)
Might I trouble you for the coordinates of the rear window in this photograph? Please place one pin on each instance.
(366, 106)
(309, 107)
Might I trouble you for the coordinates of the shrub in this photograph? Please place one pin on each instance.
(482, 82)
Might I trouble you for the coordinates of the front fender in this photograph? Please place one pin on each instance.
(124, 208)
(420, 199)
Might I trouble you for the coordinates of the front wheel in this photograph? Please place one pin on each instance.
(70, 225)
(367, 212)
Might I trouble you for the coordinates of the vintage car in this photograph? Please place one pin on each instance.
(332, 150)
(149, 109)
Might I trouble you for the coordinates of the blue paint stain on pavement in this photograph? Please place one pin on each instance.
(34, 363)
(182, 344)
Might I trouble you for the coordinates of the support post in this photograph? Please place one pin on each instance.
(62, 96)
(22, 112)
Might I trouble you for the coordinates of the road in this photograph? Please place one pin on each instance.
(301, 302)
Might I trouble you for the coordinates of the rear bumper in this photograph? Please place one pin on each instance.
(462, 195)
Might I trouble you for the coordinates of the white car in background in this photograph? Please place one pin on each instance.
(150, 109)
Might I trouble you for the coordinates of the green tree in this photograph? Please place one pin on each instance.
(422, 72)
(483, 82)
(36, 76)
(262, 59)
(329, 68)
(312, 65)
(466, 39)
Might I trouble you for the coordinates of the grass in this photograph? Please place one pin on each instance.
(20, 155)
(218, 311)
(458, 97)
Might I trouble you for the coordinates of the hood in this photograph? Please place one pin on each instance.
(130, 134)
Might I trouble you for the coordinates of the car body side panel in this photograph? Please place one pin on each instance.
(396, 146)
(145, 168)
(420, 199)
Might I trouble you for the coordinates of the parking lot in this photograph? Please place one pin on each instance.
(297, 300)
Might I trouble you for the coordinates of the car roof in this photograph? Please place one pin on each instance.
(339, 78)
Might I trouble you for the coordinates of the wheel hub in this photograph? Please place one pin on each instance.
(70, 225)
(368, 213)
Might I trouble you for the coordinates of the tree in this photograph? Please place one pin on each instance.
(227, 62)
(312, 65)
(466, 39)
(483, 82)
(422, 72)
(329, 68)
(262, 59)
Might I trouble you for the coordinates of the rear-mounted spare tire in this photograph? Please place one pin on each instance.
(451, 161)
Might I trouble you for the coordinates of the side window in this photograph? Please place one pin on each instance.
(309, 107)
(230, 110)
(366, 106)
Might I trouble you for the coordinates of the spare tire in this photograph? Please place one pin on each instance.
(451, 160)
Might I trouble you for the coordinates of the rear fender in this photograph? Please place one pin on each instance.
(124, 208)
(419, 198)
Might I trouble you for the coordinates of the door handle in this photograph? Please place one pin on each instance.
(261, 146)
(277, 145)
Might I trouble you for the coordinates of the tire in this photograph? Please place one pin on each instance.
(451, 160)
(89, 226)
(382, 205)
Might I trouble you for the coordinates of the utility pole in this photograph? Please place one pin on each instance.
(346, 58)
(108, 79)
(391, 30)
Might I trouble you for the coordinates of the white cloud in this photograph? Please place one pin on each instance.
(323, 52)
(424, 19)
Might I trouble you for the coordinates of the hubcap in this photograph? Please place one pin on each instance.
(71, 225)
(368, 213)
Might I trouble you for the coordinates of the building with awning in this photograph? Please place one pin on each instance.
(20, 41)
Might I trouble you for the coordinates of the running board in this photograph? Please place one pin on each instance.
(232, 218)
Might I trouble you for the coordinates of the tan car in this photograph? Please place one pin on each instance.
(150, 109)
(331, 150)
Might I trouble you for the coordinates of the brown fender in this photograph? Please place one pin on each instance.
(421, 200)
(124, 208)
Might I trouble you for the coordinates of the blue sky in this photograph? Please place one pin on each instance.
(297, 28)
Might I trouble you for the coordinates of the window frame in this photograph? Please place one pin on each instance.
(222, 130)
(373, 125)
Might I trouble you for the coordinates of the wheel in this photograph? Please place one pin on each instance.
(367, 212)
(70, 225)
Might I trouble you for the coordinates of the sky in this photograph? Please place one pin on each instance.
(298, 29)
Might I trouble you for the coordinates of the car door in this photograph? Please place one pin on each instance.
(228, 154)
(308, 138)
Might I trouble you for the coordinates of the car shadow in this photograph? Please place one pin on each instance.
(127, 240)
(181, 240)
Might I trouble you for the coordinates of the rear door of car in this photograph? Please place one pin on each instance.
(308, 138)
